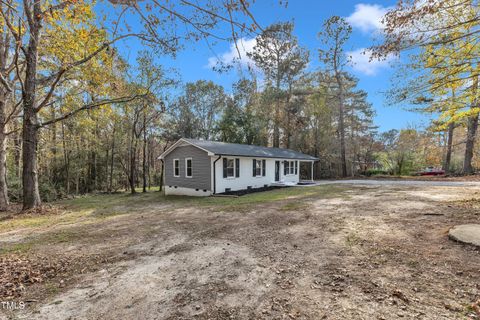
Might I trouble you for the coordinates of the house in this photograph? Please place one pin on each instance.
(202, 168)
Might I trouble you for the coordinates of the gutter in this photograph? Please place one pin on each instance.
(215, 175)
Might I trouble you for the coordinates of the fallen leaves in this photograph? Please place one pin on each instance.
(17, 272)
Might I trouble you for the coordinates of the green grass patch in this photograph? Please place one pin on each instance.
(108, 201)
(28, 222)
(22, 247)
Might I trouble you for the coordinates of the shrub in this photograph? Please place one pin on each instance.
(375, 172)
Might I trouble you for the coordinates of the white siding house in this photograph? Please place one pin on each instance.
(202, 168)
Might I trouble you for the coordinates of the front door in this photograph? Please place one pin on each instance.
(277, 170)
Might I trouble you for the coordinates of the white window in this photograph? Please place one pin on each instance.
(188, 167)
(258, 168)
(292, 167)
(230, 168)
(289, 167)
(176, 167)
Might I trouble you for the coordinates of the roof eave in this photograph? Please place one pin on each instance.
(261, 156)
(173, 146)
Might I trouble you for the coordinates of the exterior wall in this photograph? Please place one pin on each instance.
(247, 179)
(179, 191)
(201, 169)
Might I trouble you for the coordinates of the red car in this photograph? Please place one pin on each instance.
(431, 171)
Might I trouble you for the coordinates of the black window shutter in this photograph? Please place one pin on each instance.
(224, 167)
(254, 161)
(237, 167)
(296, 167)
(263, 167)
(285, 168)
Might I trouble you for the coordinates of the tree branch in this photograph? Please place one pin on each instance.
(89, 107)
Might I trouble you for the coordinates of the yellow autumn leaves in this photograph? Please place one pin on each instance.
(451, 62)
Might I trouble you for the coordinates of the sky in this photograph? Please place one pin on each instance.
(196, 61)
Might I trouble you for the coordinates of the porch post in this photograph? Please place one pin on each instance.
(312, 172)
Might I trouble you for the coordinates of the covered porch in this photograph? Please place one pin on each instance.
(305, 177)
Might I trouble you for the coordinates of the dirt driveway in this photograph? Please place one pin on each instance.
(426, 182)
(326, 252)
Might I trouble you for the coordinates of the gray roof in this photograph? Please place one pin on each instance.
(244, 150)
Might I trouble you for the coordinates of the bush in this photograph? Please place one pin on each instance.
(14, 189)
(375, 172)
(49, 192)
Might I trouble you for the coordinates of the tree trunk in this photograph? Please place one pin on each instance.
(163, 169)
(3, 154)
(448, 153)
(5, 53)
(3, 169)
(77, 184)
(276, 122)
(131, 179)
(133, 152)
(144, 151)
(341, 125)
(53, 164)
(472, 127)
(150, 162)
(66, 160)
(107, 159)
(400, 166)
(17, 152)
(161, 177)
(31, 194)
(110, 185)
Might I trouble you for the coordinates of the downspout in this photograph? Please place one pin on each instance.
(215, 175)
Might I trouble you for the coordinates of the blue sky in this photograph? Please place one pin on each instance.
(364, 16)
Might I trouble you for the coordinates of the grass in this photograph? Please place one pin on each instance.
(29, 222)
(21, 247)
(295, 206)
(91, 208)
(122, 202)
(275, 195)
(49, 238)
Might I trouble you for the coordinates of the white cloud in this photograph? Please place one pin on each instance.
(361, 62)
(368, 17)
(244, 46)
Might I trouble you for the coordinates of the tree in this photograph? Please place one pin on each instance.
(8, 108)
(230, 126)
(35, 17)
(282, 60)
(242, 120)
(334, 36)
(446, 34)
(198, 110)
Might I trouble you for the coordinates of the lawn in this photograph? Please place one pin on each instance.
(335, 252)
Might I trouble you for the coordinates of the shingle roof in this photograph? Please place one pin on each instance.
(235, 149)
